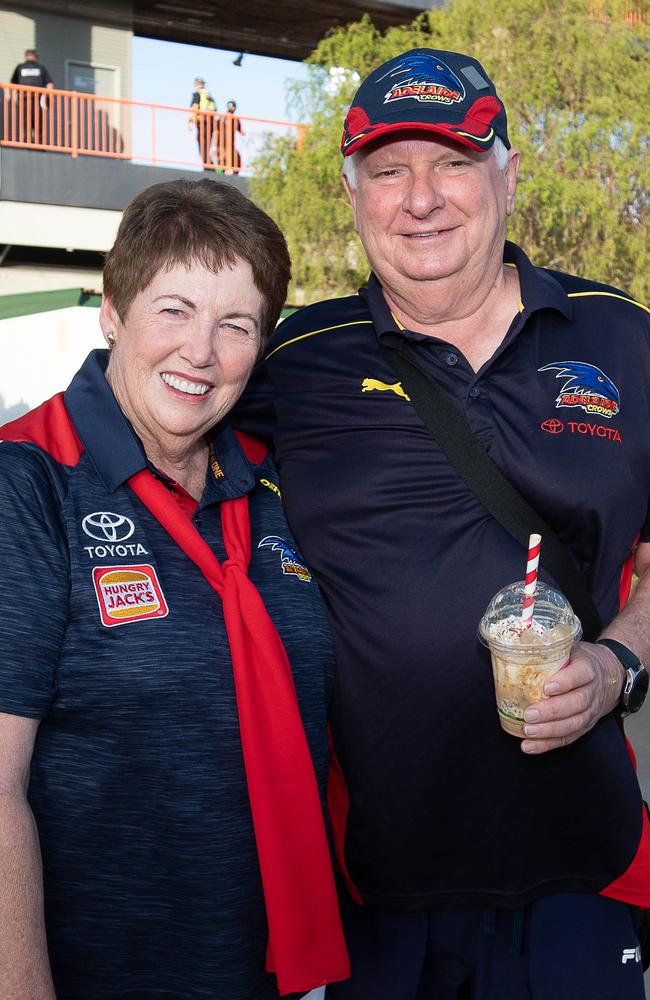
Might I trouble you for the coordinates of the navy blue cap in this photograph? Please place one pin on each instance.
(430, 90)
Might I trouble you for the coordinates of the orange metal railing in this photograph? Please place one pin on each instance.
(78, 124)
(635, 14)
(636, 18)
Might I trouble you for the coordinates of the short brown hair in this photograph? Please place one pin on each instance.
(204, 221)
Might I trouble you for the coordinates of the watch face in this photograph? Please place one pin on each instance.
(638, 691)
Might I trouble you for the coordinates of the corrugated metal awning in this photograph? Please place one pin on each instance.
(290, 29)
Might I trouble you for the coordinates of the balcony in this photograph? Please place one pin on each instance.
(157, 135)
(71, 162)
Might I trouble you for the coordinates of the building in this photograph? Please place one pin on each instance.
(54, 204)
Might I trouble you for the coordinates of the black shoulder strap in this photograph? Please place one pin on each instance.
(496, 493)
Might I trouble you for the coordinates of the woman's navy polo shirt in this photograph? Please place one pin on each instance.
(444, 808)
(112, 637)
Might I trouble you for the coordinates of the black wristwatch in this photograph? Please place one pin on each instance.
(636, 676)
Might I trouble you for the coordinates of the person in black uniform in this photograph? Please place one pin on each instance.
(487, 866)
(31, 117)
(231, 125)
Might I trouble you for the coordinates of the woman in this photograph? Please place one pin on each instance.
(148, 716)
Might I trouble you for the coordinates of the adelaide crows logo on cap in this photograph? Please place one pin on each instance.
(585, 386)
(423, 78)
(430, 90)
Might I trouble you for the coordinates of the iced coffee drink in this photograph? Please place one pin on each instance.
(524, 655)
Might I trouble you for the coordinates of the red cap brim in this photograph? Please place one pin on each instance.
(464, 137)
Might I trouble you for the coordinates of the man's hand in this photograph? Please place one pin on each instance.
(577, 697)
(590, 687)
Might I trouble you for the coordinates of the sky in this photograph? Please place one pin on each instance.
(163, 73)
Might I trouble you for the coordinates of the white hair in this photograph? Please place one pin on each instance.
(349, 168)
(500, 153)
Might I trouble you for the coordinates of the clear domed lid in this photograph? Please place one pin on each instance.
(551, 609)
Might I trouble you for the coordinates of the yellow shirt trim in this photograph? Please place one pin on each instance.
(361, 322)
(324, 329)
(611, 295)
(579, 295)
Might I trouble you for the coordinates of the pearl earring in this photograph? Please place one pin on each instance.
(110, 337)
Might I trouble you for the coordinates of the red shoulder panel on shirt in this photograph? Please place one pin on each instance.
(49, 426)
(633, 886)
(625, 583)
(254, 450)
(338, 806)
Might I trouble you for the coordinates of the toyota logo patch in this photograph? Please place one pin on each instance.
(107, 527)
(552, 426)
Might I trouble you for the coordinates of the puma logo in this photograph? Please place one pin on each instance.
(369, 384)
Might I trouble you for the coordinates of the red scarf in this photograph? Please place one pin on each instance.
(305, 947)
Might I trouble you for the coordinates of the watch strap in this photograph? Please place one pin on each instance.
(635, 685)
(629, 659)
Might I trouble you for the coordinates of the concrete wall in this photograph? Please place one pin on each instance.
(112, 46)
(58, 38)
(29, 175)
(40, 354)
(53, 200)
(18, 33)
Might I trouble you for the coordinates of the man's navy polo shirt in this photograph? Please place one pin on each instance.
(112, 637)
(444, 807)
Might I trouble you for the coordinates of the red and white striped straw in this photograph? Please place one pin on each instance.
(534, 546)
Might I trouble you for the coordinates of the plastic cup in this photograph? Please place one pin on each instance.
(524, 657)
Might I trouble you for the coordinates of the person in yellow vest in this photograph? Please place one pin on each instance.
(203, 118)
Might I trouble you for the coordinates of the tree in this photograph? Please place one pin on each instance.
(575, 79)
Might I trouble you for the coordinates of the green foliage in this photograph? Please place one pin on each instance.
(575, 78)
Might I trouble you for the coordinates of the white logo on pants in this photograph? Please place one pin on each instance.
(631, 955)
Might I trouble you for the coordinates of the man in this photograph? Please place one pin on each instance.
(204, 119)
(31, 107)
(487, 866)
